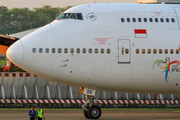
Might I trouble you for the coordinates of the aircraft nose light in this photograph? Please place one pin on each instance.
(15, 53)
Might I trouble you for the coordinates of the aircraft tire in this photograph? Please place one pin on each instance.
(86, 114)
(94, 112)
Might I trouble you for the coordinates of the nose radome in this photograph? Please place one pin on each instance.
(15, 53)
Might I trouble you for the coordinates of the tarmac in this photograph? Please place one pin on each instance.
(106, 115)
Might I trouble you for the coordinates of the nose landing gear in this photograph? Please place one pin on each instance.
(94, 112)
(91, 111)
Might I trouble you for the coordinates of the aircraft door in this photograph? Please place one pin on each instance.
(124, 51)
(177, 10)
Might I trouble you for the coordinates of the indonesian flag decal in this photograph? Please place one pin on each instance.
(140, 33)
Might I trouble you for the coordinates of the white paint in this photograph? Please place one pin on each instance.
(141, 35)
(2, 89)
(88, 91)
(103, 71)
(123, 56)
(177, 9)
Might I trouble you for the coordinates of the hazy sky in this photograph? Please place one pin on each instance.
(55, 3)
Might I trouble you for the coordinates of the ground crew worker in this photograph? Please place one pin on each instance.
(32, 114)
(40, 113)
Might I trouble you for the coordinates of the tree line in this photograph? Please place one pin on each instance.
(21, 19)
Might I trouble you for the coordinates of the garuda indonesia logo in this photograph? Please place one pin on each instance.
(166, 64)
(91, 16)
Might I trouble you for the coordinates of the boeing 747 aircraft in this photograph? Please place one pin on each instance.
(114, 47)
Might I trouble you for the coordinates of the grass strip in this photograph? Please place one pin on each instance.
(3, 62)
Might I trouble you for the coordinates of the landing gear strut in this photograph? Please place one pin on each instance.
(91, 111)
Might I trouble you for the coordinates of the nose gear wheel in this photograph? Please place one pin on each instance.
(91, 111)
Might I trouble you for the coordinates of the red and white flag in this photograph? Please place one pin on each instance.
(140, 33)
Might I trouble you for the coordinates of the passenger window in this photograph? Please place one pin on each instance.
(108, 50)
(167, 19)
(59, 50)
(150, 19)
(171, 51)
(160, 51)
(72, 50)
(34, 50)
(65, 50)
(156, 19)
(90, 50)
(47, 50)
(162, 20)
(137, 51)
(139, 19)
(166, 51)
(134, 19)
(149, 51)
(102, 50)
(78, 50)
(177, 51)
(143, 51)
(128, 19)
(154, 51)
(126, 51)
(173, 20)
(96, 50)
(53, 50)
(122, 19)
(40, 50)
(145, 19)
(84, 50)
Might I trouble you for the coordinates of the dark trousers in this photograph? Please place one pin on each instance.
(32, 118)
(39, 118)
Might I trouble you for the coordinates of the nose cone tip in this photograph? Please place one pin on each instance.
(15, 53)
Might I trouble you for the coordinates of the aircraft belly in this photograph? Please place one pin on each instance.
(113, 77)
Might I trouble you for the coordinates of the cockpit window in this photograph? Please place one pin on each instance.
(73, 16)
(77, 16)
(64, 16)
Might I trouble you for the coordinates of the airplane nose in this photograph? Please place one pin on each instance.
(15, 53)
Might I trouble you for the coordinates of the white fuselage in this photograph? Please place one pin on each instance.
(123, 69)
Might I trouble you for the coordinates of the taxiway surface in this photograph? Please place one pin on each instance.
(106, 115)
